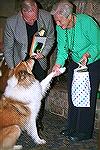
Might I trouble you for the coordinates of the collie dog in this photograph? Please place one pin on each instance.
(20, 104)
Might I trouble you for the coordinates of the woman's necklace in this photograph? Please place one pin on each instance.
(70, 37)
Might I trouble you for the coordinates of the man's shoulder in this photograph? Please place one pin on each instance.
(13, 18)
(44, 12)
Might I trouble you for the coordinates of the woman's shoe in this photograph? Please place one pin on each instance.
(66, 132)
(79, 137)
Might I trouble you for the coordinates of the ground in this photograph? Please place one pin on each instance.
(53, 124)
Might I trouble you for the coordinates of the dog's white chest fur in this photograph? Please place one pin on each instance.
(27, 95)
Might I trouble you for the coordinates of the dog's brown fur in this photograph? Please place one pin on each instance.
(12, 113)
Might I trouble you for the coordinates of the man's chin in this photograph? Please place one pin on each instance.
(30, 22)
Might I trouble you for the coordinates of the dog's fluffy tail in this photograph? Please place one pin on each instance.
(45, 84)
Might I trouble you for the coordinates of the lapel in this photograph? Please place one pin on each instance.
(21, 33)
(40, 21)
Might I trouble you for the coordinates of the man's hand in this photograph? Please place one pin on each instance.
(38, 55)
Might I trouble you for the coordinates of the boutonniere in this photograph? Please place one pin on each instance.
(41, 32)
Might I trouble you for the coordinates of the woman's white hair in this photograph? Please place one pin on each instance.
(64, 8)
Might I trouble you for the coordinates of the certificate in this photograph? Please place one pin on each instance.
(38, 44)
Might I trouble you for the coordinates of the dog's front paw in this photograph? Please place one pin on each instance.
(40, 141)
(17, 147)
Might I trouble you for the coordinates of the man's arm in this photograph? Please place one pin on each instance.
(8, 44)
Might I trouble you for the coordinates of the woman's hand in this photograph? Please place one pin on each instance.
(55, 69)
(84, 59)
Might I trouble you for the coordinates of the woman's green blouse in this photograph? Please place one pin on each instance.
(83, 37)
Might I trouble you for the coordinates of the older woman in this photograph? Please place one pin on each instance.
(79, 36)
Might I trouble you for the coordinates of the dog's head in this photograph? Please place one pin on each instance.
(22, 74)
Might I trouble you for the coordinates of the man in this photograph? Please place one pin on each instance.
(79, 36)
(18, 36)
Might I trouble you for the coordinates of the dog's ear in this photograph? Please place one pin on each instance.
(11, 72)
